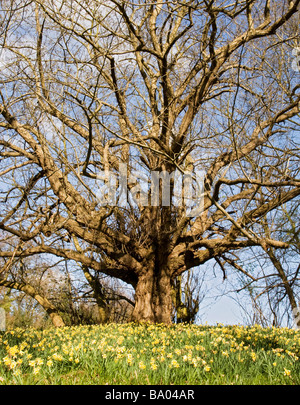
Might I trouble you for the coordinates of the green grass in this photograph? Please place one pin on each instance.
(150, 354)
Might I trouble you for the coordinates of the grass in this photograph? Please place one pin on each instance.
(150, 354)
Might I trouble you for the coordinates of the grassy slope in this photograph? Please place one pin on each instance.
(148, 354)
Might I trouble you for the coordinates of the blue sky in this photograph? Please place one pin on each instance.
(224, 311)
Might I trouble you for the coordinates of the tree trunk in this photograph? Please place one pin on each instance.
(153, 297)
(56, 319)
(286, 285)
(99, 294)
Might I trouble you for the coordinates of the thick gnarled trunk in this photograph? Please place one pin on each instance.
(153, 297)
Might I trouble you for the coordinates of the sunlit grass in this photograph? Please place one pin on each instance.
(150, 354)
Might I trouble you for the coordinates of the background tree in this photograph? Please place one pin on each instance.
(160, 86)
(188, 293)
(36, 291)
(272, 276)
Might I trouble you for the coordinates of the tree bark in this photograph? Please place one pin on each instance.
(153, 297)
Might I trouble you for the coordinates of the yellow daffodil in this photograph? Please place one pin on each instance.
(142, 365)
(175, 363)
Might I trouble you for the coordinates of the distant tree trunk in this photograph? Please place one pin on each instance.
(186, 303)
(98, 293)
(55, 318)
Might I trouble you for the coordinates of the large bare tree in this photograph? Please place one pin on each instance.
(131, 88)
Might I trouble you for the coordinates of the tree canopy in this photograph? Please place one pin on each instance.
(163, 86)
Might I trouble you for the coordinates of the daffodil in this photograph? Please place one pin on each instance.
(13, 350)
(57, 356)
(39, 361)
(31, 363)
(17, 372)
(142, 365)
(175, 363)
(36, 370)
